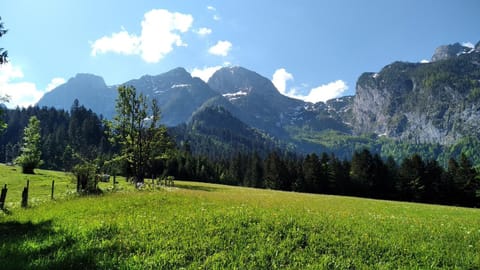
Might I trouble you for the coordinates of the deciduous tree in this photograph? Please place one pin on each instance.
(30, 157)
(137, 129)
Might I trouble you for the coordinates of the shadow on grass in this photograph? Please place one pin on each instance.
(195, 187)
(39, 246)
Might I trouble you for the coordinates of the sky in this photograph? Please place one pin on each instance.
(311, 50)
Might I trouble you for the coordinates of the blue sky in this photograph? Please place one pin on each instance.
(312, 50)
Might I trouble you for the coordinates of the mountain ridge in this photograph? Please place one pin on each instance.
(436, 102)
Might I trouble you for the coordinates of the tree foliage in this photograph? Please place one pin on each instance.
(3, 60)
(31, 152)
(3, 52)
(136, 128)
(71, 138)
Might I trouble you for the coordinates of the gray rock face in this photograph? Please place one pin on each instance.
(423, 103)
(448, 51)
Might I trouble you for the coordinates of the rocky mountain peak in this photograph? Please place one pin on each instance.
(87, 80)
(238, 79)
(448, 51)
(179, 73)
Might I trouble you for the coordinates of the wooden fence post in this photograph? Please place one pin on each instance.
(53, 188)
(25, 195)
(3, 196)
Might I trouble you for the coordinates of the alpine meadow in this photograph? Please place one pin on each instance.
(198, 225)
(351, 141)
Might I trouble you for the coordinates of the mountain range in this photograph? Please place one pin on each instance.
(436, 102)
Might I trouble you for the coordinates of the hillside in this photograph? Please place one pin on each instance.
(197, 225)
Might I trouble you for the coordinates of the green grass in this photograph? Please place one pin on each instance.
(205, 226)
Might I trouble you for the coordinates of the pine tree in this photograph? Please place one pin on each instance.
(31, 153)
(467, 182)
(311, 174)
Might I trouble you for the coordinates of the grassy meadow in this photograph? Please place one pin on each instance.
(207, 226)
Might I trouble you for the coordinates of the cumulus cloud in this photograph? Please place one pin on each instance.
(221, 48)
(280, 78)
(211, 8)
(424, 61)
(326, 92)
(121, 43)
(205, 73)
(203, 31)
(161, 31)
(54, 83)
(321, 93)
(21, 93)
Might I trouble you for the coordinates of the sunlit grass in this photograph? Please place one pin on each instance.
(197, 225)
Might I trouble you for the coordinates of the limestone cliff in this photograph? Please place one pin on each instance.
(435, 102)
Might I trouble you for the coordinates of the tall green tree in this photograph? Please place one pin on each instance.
(311, 174)
(136, 127)
(276, 174)
(3, 52)
(30, 158)
(466, 182)
(3, 60)
(361, 171)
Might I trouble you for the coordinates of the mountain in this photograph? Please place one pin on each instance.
(248, 96)
(448, 51)
(214, 132)
(262, 106)
(177, 92)
(260, 103)
(90, 90)
(437, 102)
(428, 104)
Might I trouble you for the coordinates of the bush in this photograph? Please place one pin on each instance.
(86, 178)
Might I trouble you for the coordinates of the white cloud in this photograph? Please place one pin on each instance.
(321, 93)
(161, 31)
(121, 43)
(205, 73)
(54, 83)
(216, 17)
(211, 8)
(203, 31)
(424, 61)
(21, 93)
(280, 78)
(326, 92)
(221, 48)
